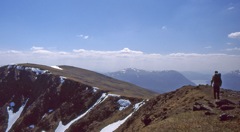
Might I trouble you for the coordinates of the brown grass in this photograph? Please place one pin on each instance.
(173, 112)
(194, 121)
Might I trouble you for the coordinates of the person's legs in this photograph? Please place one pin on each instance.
(216, 91)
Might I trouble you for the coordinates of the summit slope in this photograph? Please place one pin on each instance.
(97, 80)
(41, 98)
(190, 108)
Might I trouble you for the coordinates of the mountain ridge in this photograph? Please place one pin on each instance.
(36, 99)
(186, 109)
(158, 81)
(93, 78)
(45, 101)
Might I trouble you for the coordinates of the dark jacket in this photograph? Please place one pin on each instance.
(216, 80)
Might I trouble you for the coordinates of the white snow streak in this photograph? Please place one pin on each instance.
(112, 127)
(13, 116)
(114, 95)
(62, 128)
(62, 79)
(95, 89)
(115, 125)
(57, 67)
(37, 71)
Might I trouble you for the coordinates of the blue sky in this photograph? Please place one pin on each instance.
(150, 27)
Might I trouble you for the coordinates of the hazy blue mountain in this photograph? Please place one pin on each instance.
(158, 81)
(198, 78)
(231, 80)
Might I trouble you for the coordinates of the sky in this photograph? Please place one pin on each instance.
(110, 35)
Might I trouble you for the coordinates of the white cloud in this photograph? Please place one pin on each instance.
(86, 37)
(40, 50)
(123, 52)
(233, 49)
(208, 47)
(105, 61)
(230, 43)
(83, 36)
(14, 52)
(231, 8)
(36, 48)
(164, 27)
(234, 35)
(128, 51)
(79, 50)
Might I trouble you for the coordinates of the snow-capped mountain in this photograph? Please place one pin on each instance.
(158, 81)
(39, 98)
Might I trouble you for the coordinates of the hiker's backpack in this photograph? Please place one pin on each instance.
(217, 79)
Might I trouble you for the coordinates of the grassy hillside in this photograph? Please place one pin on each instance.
(98, 80)
(188, 109)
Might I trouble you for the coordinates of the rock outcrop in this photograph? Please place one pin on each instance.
(35, 99)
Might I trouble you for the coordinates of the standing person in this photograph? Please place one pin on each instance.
(216, 83)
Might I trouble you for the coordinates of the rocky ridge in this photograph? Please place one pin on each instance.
(35, 99)
(186, 109)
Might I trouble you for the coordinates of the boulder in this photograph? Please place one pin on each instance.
(225, 117)
(146, 120)
(227, 107)
(209, 113)
(198, 106)
(221, 102)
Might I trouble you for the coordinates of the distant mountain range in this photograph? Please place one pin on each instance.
(198, 78)
(230, 80)
(158, 81)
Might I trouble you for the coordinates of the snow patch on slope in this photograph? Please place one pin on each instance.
(62, 128)
(13, 116)
(62, 79)
(57, 67)
(112, 127)
(114, 95)
(95, 89)
(123, 104)
(37, 71)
